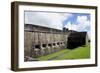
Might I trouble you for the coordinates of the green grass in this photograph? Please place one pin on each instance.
(78, 53)
(82, 52)
(53, 54)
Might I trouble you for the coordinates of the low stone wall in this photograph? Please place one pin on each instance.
(37, 44)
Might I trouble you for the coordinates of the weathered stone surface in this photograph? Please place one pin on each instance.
(27, 58)
(39, 41)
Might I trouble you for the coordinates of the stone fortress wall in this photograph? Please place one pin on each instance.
(40, 41)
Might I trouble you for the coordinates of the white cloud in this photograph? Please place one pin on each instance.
(71, 26)
(55, 20)
(82, 23)
(52, 20)
(81, 19)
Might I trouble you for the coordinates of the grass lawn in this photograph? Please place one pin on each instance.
(82, 52)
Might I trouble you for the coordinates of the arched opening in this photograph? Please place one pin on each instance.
(43, 45)
(53, 44)
(57, 43)
(49, 45)
(37, 46)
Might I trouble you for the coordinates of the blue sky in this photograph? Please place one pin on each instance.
(58, 20)
(78, 22)
(73, 19)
